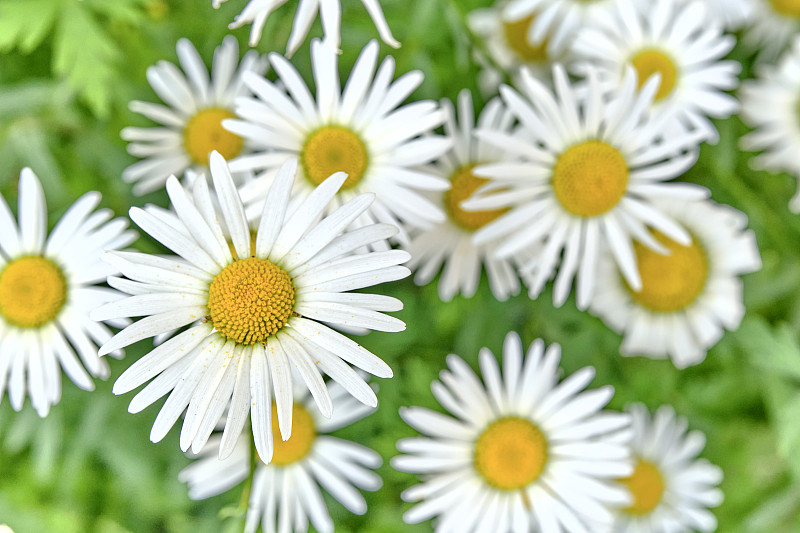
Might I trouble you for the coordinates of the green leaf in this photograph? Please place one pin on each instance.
(25, 23)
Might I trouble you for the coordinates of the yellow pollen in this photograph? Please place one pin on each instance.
(249, 300)
(299, 444)
(590, 178)
(789, 8)
(651, 60)
(511, 453)
(517, 38)
(32, 291)
(670, 282)
(334, 149)
(463, 184)
(647, 487)
(204, 133)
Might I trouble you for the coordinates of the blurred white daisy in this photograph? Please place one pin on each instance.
(256, 13)
(773, 24)
(771, 106)
(672, 490)
(190, 124)
(524, 453)
(450, 243)
(360, 131)
(581, 178)
(285, 494)
(47, 289)
(730, 14)
(689, 297)
(555, 22)
(678, 41)
(255, 306)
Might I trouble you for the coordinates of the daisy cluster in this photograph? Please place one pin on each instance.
(290, 203)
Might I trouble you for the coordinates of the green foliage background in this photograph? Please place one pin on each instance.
(68, 69)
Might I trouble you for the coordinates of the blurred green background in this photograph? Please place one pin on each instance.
(68, 69)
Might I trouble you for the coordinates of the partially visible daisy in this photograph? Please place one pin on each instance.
(285, 494)
(554, 22)
(255, 306)
(581, 178)
(256, 13)
(689, 297)
(730, 14)
(363, 131)
(47, 290)
(672, 489)
(450, 243)
(771, 105)
(190, 125)
(773, 25)
(523, 453)
(675, 39)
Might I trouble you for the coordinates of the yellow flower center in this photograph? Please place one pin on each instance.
(334, 149)
(250, 299)
(789, 8)
(590, 178)
(204, 133)
(646, 486)
(463, 184)
(670, 282)
(651, 60)
(299, 444)
(517, 38)
(511, 453)
(32, 291)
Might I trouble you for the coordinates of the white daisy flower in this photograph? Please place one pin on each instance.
(285, 494)
(672, 490)
(250, 319)
(771, 105)
(582, 179)
(190, 122)
(360, 131)
(450, 243)
(730, 14)
(524, 452)
(555, 22)
(47, 289)
(675, 39)
(689, 297)
(256, 13)
(773, 25)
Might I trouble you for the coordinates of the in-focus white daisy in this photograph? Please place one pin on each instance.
(581, 178)
(773, 25)
(360, 131)
(555, 21)
(689, 297)
(285, 494)
(190, 124)
(675, 39)
(450, 243)
(672, 490)
(47, 289)
(256, 13)
(523, 453)
(771, 105)
(255, 307)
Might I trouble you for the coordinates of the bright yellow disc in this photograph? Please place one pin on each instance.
(511, 453)
(32, 291)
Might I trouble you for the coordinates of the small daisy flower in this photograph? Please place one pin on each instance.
(47, 289)
(255, 307)
(675, 39)
(773, 25)
(771, 105)
(190, 123)
(523, 453)
(285, 494)
(581, 178)
(256, 13)
(450, 244)
(360, 131)
(672, 490)
(689, 297)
